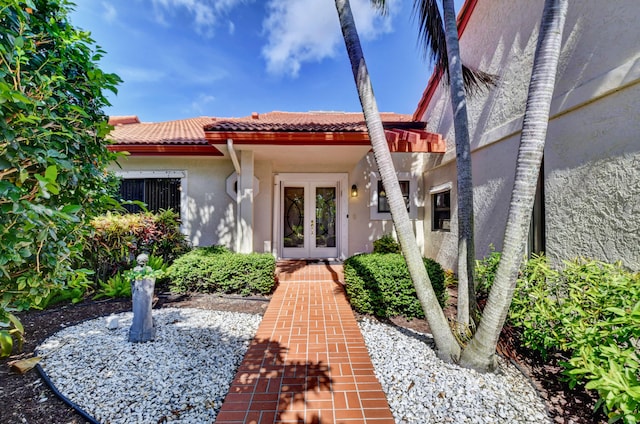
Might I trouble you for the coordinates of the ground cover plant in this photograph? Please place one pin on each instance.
(379, 284)
(217, 270)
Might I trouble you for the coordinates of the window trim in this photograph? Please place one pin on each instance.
(442, 188)
(374, 177)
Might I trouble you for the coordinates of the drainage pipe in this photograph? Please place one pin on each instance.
(234, 156)
(62, 397)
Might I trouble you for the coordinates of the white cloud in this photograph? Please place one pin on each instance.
(232, 28)
(301, 31)
(205, 13)
(110, 12)
(133, 74)
(198, 105)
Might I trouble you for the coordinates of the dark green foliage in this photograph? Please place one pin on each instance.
(118, 239)
(379, 284)
(386, 244)
(53, 151)
(119, 285)
(74, 291)
(589, 311)
(216, 270)
(486, 269)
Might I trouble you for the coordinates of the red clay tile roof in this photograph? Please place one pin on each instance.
(184, 131)
(123, 120)
(307, 122)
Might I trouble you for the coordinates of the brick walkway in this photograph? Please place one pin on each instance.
(308, 362)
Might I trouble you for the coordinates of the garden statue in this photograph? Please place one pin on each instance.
(142, 286)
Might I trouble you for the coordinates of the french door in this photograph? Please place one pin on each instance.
(309, 219)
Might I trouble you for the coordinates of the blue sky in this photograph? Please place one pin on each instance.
(187, 58)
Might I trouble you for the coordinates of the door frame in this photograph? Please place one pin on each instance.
(342, 208)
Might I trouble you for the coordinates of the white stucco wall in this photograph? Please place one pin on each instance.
(210, 213)
(592, 155)
(363, 231)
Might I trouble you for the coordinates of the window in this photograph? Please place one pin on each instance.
(379, 204)
(441, 209)
(157, 193)
(383, 203)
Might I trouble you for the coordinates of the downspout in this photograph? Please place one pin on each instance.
(234, 157)
(236, 166)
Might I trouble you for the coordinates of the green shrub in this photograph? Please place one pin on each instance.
(116, 286)
(120, 238)
(590, 311)
(119, 285)
(386, 244)
(380, 284)
(74, 291)
(216, 270)
(486, 269)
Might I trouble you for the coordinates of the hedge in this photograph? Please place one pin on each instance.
(217, 270)
(379, 284)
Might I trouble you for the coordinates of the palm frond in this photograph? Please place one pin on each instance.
(476, 80)
(431, 36)
(432, 39)
(381, 5)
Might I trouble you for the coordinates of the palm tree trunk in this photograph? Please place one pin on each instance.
(480, 353)
(447, 346)
(467, 305)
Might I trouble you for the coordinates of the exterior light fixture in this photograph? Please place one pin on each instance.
(354, 191)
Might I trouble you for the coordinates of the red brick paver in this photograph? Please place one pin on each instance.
(308, 362)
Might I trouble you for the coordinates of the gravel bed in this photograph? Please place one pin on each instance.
(421, 388)
(182, 376)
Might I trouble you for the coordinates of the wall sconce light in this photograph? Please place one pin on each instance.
(354, 191)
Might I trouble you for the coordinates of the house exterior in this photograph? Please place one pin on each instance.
(298, 185)
(305, 185)
(588, 201)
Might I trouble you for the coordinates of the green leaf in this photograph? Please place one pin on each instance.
(6, 343)
(4, 164)
(16, 323)
(51, 173)
(71, 209)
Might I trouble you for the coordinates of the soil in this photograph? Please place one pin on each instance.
(24, 398)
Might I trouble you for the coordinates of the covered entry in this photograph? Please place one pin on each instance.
(310, 216)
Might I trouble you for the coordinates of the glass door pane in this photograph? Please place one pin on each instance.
(293, 228)
(325, 225)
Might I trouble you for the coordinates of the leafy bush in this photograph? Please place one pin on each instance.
(53, 150)
(589, 310)
(486, 269)
(217, 270)
(74, 291)
(386, 244)
(119, 285)
(380, 284)
(116, 286)
(118, 239)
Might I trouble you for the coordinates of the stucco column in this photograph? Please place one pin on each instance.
(245, 203)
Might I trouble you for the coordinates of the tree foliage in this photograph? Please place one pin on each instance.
(53, 151)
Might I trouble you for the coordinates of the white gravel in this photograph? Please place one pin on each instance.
(421, 388)
(184, 375)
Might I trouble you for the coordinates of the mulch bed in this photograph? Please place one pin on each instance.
(26, 399)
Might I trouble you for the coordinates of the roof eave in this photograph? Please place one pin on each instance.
(463, 19)
(166, 149)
